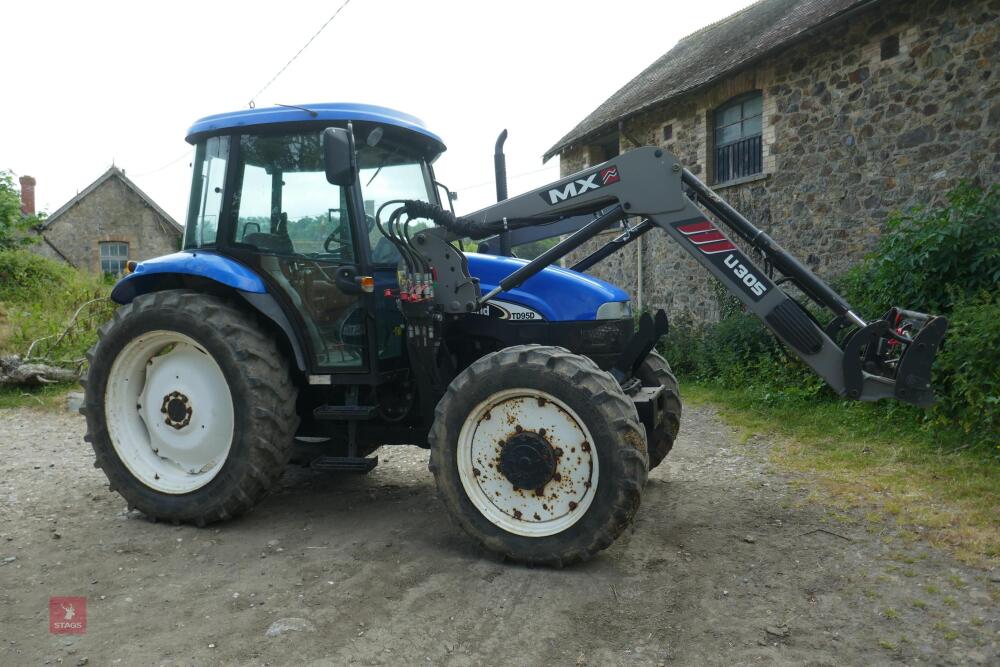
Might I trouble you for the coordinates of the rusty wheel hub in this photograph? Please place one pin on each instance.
(177, 410)
(528, 461)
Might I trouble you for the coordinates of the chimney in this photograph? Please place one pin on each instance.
(28, 195)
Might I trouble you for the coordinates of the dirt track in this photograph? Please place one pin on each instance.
(726, 565)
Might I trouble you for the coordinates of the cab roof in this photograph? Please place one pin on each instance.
(307, 113)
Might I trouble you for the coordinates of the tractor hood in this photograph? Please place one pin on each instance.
(557, 294)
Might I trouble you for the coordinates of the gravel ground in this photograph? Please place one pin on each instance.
(727, 564)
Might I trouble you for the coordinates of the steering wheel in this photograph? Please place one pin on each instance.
(337, 237)
(334, 237)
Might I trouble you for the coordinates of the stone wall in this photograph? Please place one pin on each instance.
(847, 138)
(111, 212)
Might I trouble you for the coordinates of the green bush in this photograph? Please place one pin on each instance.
(38, 298)
(738, 352)
(967, 372)
(929, 259)
(25, 276)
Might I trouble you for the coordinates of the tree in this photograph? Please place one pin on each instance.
(14, 225)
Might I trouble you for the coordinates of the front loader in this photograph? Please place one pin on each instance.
(322, 296)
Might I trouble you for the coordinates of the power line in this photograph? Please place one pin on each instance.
(177, 159)
(282, 70)
(485, 183)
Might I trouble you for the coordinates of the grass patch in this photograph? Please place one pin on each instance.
(51, 397)
(877, 456)
(38, 298)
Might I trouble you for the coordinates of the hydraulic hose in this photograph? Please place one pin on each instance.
(463, 227)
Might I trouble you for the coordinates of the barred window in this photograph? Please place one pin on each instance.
(738, 148)
(114, 255)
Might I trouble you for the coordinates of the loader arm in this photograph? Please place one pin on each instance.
(879, 359)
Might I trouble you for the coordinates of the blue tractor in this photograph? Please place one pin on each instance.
(323, 295)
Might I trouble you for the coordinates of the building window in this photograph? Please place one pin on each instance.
(114, 256)
(668, 132)
(738, 149)
(889, 47)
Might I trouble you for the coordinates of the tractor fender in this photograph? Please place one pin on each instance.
(194, 269)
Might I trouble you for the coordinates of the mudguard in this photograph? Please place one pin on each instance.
(150, 274)
(167, 272)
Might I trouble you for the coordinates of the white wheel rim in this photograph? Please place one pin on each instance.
(564, 500)
(169, 412)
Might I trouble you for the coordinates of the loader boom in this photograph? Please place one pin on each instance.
(650, 183)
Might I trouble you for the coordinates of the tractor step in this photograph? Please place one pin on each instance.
(357, 464)
(345, 412)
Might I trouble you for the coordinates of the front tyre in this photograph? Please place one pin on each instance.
(655, 372)
(190, 407)
(538, 454)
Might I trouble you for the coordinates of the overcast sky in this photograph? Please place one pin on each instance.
(91, 83)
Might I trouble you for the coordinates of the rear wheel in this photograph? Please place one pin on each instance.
(190, 407)
(538, 454)
(655, 372)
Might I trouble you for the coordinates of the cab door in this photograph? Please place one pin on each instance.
(300, 232)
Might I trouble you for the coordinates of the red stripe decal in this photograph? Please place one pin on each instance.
(705, 237)
(696, 227)
(720, 246)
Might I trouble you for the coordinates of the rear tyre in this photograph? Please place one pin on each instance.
(655, 372)
(190, 407)
(538, 455)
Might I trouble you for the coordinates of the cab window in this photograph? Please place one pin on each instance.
(211, 156)
(388, 173)
(285, 205)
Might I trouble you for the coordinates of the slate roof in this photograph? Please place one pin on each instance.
(113, 172)
(709, 54)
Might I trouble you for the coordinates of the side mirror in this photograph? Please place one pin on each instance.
(339, 156)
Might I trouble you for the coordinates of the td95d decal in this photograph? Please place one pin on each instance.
(725, 255)
(504, 310)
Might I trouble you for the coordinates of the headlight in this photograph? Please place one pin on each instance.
(615, 310)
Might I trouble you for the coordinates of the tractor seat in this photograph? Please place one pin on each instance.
(278, 243)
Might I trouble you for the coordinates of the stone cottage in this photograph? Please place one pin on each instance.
(108, 223)
(815, 118)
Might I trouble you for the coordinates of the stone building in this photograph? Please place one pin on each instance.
(815, 118)
(108, 223)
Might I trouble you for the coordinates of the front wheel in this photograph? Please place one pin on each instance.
(538, 454)
(190, 407)
(655, 372)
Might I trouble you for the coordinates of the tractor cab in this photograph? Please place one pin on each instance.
(260, 195)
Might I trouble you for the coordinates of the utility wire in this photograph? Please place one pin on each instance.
(187, 153)
(177, 159)
(282, 70)
(485, 183)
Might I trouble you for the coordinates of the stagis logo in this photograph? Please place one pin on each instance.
(67, 615)
(578, 186)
